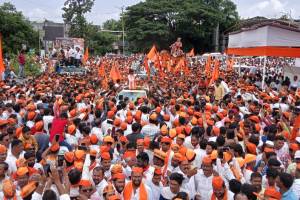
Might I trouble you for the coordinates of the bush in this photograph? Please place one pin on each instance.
(32, 68)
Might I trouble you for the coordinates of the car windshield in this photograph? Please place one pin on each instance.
(133, 95)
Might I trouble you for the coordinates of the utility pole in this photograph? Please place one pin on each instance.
(123, 31)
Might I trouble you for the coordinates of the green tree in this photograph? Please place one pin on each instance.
(160, 22)
(112, 24)
(16, 30)
(73, 15)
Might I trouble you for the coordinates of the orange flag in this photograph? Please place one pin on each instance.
(115, 73)
(296, 127)
(152, 53)
(2, 69)
(147, 66)
(191, 53)
(105, 82)
(229, 63)
(216, 72)
(86, 55)
(101, 71)
(181, 65)
(207, 65)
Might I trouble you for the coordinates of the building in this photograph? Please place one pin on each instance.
(49, 31)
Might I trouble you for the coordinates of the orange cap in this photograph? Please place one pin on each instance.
(118, 176)
(178, 157)
(93, 152)
(39, 125)
(123, 139)
(117, 122)
(117, 168)
(55, 147)
(3, 149)
(129, 119)
(137, 170)
(110, 114)
(123, 126)
(249, 158)
(172, 133)
(71, 129)
(190, 154)
(254, 118)
(79, 155)
(153, 116)
(129, 154)
(166, 140)
(105, 156)
(108, 139)
(69, 156)
(85, 183)
(294, 147)
(217, 182)
(251, 148)
(216, 131)
(21, 171)
(93, 139)
(206, 160)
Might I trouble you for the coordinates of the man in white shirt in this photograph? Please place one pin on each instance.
(151, 129)
(296, 184)
(99, 181)
(14, 155)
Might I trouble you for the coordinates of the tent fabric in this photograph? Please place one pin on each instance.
(268, 35)
(265, 51)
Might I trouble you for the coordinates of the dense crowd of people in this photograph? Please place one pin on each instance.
(70, 137)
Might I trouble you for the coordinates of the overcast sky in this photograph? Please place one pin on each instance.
(37, 10)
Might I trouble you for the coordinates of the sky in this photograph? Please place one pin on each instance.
(38, 10)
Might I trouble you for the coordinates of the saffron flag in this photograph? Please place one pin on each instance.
(2, 69)
(207, 66)
(86, 55)
(216, 72)
(152, 54)
(191, 53)
(115, 73)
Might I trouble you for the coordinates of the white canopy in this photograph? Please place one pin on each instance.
(269, 35)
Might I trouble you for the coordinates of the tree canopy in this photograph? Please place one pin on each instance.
(160, 22)
(16, 30)
(73, 15)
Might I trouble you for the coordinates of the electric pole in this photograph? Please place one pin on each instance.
(123, 31)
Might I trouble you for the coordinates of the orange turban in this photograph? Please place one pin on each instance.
(93, 152)
(117, 122)
(110, 114)
(190, 154)
(172, 133)
(129, 154)
(217, 182)
(153, 116)
(254, 119)
(157, 171)
(129, 119)
(108, 139)
(249, 158)
(123, 126)
(160, 154)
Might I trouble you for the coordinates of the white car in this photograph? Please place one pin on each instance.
(133, 95)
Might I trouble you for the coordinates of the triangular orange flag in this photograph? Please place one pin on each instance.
(152, 53)
(115, 73)
(191, 53)
(86, 55)
(2, 69)
(207, 65)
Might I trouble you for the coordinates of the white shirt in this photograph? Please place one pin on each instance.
(47, 119)
(105, 126)
(78, 55)
(98, 132)
(203, 185)
(150, 130)
(100, 187)
(155, 189)
(296, 188)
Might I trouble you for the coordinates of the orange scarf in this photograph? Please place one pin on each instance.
(213, 196)
(128, 191)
